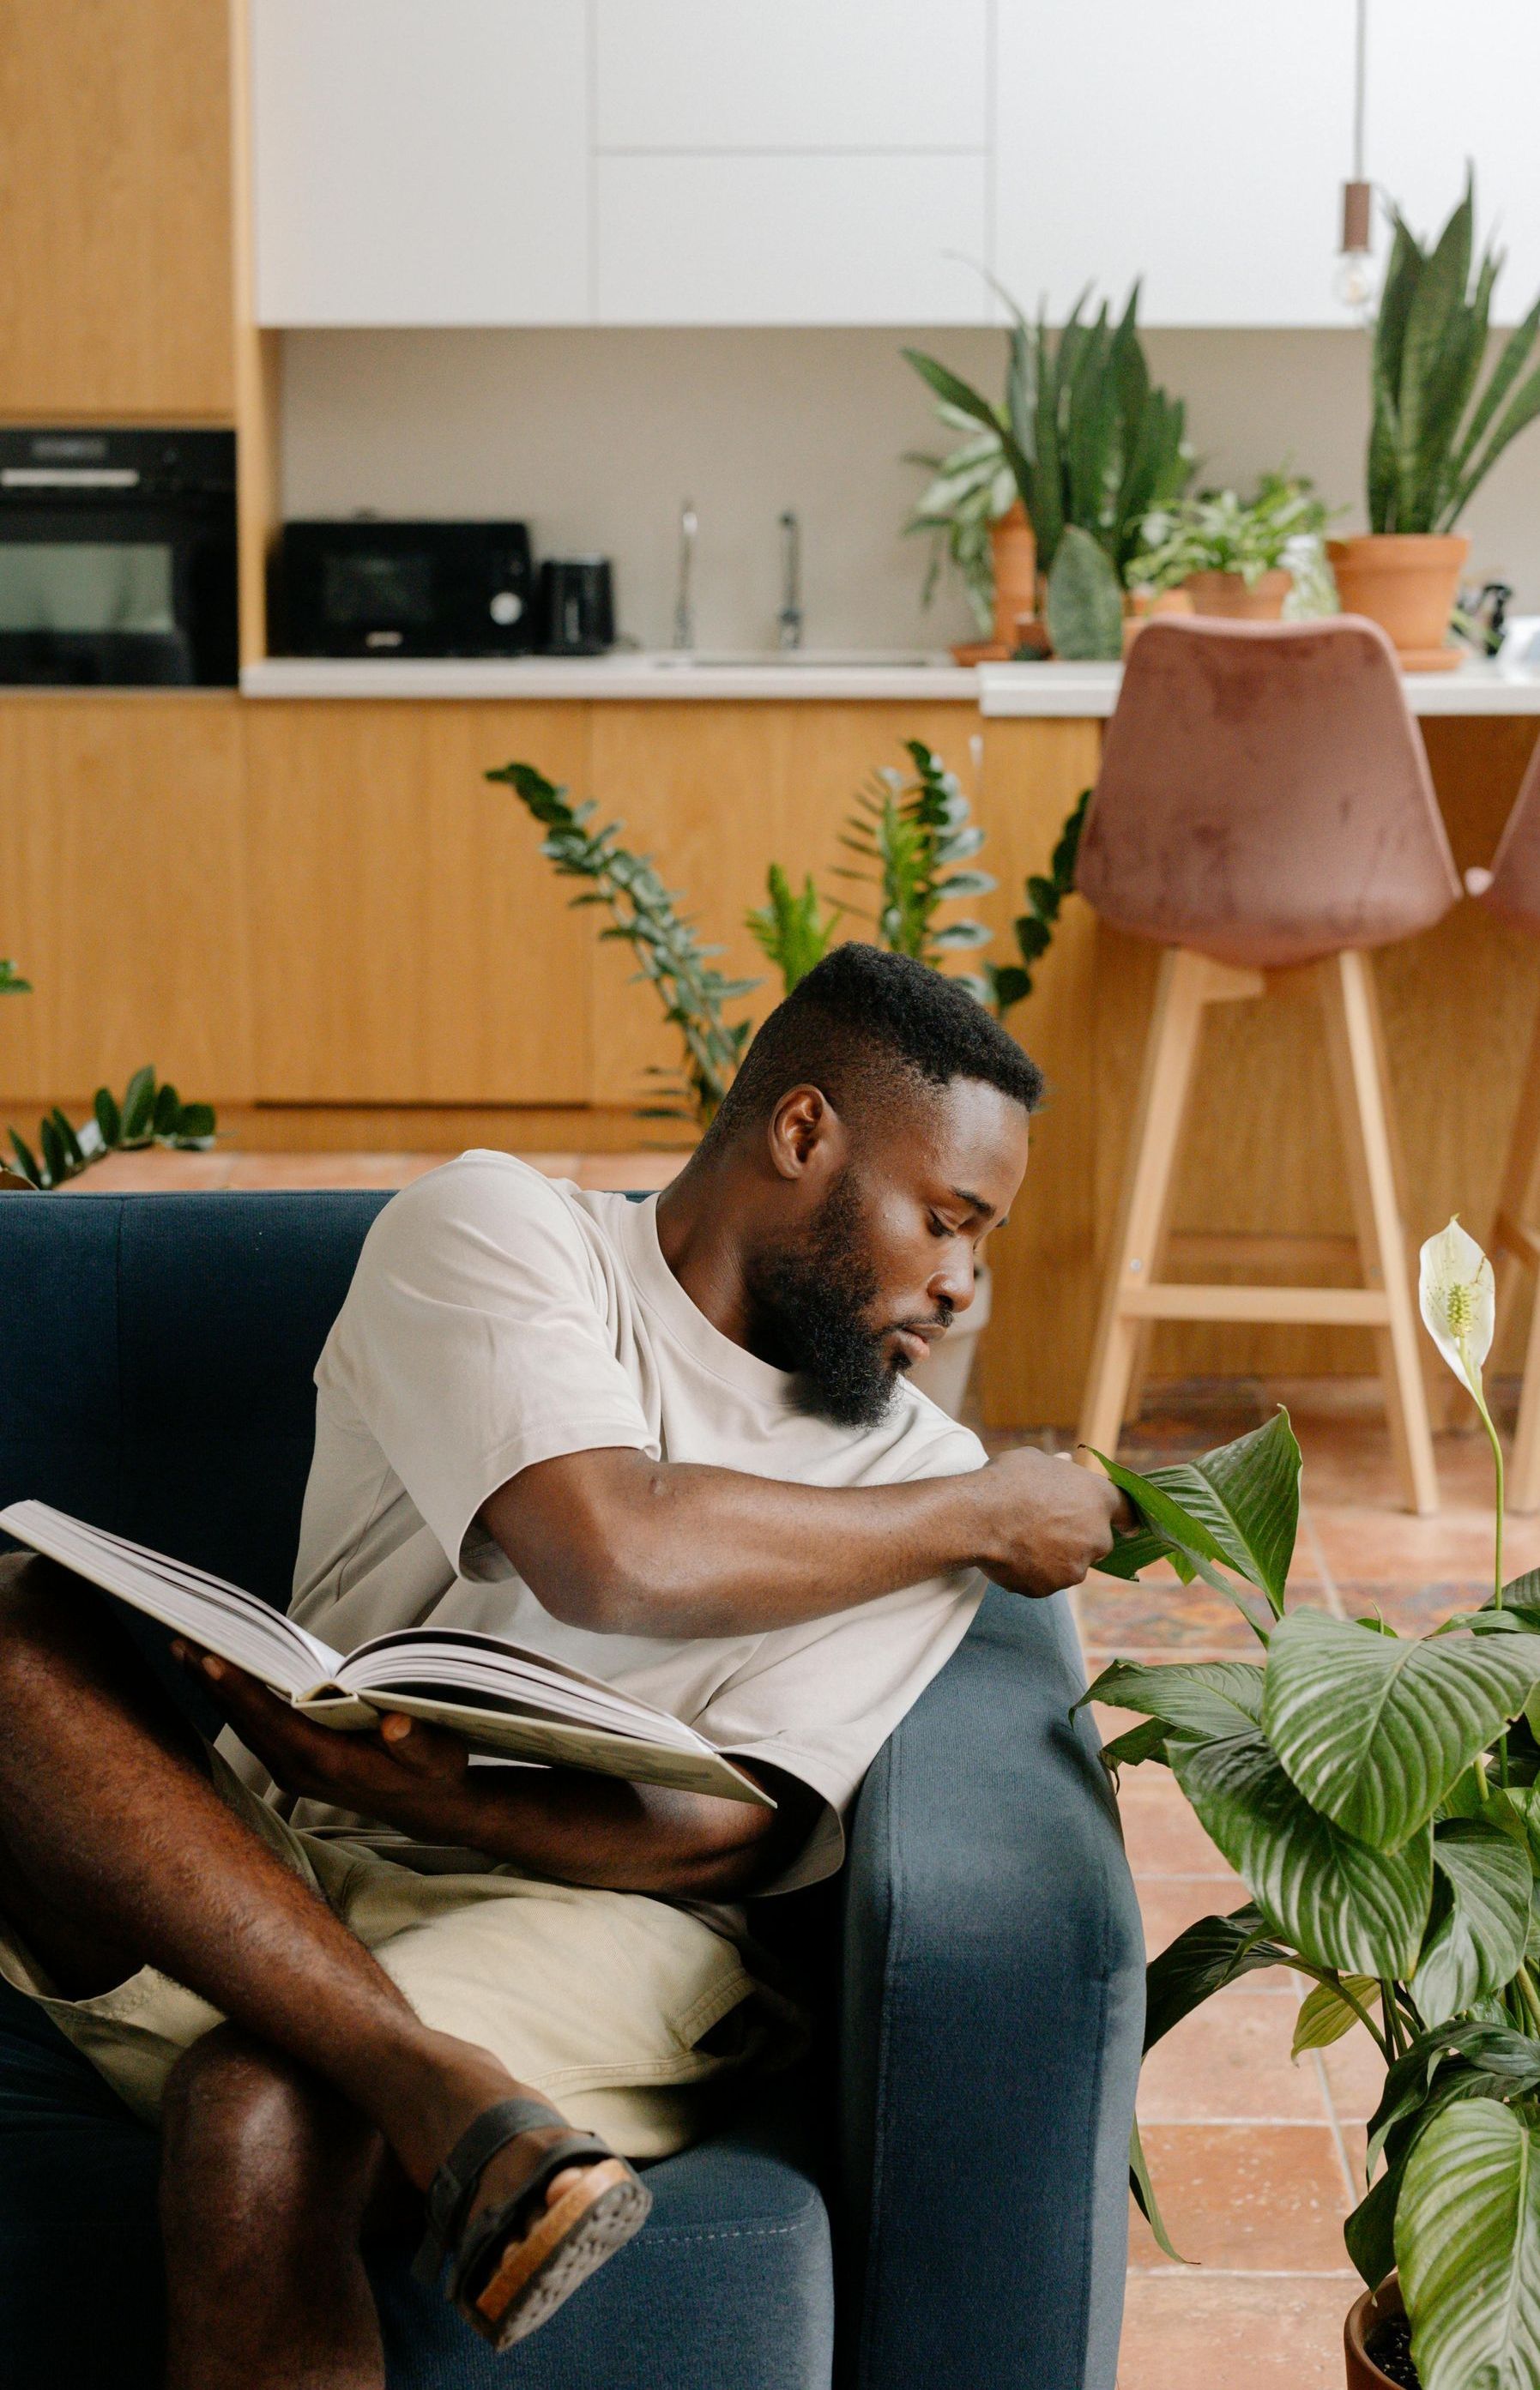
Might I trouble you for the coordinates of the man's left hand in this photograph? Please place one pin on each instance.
(405, 1773)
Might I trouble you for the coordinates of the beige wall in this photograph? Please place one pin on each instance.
(595, 436)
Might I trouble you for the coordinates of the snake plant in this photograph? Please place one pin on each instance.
(1092, 445)
(1434, 440)
(1380, 1797)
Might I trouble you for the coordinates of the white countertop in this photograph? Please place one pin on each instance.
(1084, 692)
(808, 674)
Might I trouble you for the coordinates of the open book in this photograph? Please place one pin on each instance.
(504, 1700)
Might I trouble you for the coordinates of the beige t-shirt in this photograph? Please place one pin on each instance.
(499, 1319)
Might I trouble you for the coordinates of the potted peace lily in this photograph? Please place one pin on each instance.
(1379, 1796)
(1234, 556)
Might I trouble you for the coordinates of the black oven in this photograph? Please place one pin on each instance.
(118, 558)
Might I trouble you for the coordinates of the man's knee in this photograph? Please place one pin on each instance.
(31, 1619)
(250, 2142)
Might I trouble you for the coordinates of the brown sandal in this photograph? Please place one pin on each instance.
(514, 2264)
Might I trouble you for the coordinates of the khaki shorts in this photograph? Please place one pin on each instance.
(626, 2013)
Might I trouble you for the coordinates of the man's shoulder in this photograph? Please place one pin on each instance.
(482, 1192)
(924, 1440)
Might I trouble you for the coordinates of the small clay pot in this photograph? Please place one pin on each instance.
(1142, 606)
(1014, 551)
(1226, 593)
(1406, 582)
(1364, 2313)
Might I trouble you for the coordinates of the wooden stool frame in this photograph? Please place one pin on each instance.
(1136, 1295)
(1515, 1246)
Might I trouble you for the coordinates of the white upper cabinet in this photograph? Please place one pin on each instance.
(421, 161)
(1202, 143)
(791, 74)
(1446, 86)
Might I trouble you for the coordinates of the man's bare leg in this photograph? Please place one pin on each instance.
(266, 2179)
(118, 1853)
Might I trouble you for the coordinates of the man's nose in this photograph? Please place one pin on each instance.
(952, 1284)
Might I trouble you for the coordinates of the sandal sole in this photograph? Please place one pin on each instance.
(544, 2266)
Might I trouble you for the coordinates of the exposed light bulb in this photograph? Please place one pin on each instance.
(1353, 283)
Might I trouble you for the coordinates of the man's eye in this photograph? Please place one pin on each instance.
(939, 1228)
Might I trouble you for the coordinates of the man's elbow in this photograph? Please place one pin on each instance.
(601, 1593)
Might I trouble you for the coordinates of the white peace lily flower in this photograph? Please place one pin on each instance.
(1454, 1289)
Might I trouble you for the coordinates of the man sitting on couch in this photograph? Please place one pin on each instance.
(667, 1444)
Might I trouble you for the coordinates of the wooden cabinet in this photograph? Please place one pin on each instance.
(410, 943)
(420, 164)
(123, 896)
(115, 209)
(1202, 147)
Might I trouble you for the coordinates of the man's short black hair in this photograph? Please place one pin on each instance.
(870, 1028)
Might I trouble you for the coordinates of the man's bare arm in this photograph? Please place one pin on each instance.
(619, 1544)
(549, 1821)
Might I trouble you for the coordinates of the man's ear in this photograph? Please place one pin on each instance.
(807, 1136)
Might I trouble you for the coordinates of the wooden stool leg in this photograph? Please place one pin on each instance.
(1170, 1053)
(1357, 1064)
(1512, 1250)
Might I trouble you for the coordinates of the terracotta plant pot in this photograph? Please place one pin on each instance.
(1226, 593)
(1406, 582)
(1015, 553)
(1364, 2313)
(1142, 606)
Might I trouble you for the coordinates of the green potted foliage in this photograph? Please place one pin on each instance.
(975, 524)
(1379, 1795)
(149, 1114)
(1092, 446)
(1233, 556)
(1435, 434)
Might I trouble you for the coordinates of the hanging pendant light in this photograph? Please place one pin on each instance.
(1354, 281)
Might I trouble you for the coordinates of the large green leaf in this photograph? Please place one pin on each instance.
(1239, 1505)
(1084, 601)
(1201, 1697)
(1214, 1952)
(1480, 1918)
(1375, 1730)
(1361, 1911)
(1326, 2015)
(1143, 2189)
(1468, 2242)
(1430, 321)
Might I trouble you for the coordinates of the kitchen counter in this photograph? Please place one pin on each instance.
(1089, 692)
(808, 672)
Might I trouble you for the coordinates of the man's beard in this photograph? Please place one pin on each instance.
(814, 1298)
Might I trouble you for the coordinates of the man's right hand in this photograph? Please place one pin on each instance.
(1049, 1522)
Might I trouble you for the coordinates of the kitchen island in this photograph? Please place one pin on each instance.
(307, 904)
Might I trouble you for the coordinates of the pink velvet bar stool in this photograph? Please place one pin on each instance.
(1264, 805)
(1511, 890)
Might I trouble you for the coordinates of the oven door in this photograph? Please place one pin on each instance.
(131, 594)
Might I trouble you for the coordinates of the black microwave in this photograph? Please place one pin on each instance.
(376, 588)
(117, 557)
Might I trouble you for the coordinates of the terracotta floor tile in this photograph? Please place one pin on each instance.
(636, 1173)
(156, 1172)
(310, 1170)
(1246, 2197)
(1355, 2076)
(1162, 1835)
(1228, 2061)
(1169, 1904)
(1217, 2331)
(1160, 1615)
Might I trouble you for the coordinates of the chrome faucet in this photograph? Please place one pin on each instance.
(684, 604)
(790, 619)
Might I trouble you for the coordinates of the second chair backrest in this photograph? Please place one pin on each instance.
(1512, 891)
(1264, 795)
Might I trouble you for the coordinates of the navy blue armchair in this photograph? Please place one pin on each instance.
(938, 2201)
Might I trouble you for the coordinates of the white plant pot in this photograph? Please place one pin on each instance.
(945, 1376)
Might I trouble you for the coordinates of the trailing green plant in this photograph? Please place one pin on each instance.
(970, 490)
(150, 1113)
(1091, 444)
(1379, 1796)
(1045, 893)
(792, 930)
(1434, 440)
(1220, 532)
(644, 915)
(11, 981)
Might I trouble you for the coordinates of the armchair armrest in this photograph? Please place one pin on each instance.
(992, 2019)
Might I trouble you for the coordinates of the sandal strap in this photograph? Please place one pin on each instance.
(454, 2186)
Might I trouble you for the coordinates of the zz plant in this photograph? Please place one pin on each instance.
(149, 1115)
(1379, 1795)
